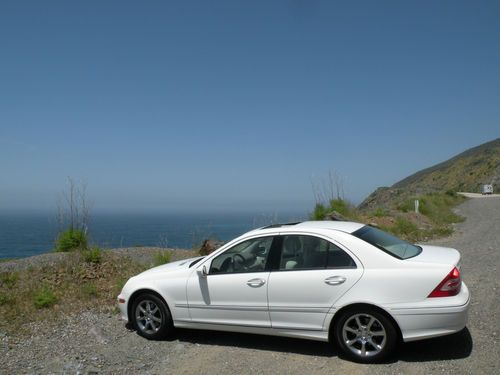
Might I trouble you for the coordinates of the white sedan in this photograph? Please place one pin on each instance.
(344, 282)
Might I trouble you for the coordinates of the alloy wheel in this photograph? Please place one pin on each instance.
(364, 335)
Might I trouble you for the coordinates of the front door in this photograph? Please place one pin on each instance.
(235, 290)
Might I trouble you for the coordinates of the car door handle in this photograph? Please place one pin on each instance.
(255, 283)
(335, 280)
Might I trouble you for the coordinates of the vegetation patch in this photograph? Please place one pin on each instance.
(380, 212)
(44, 297)
(92, 255)
(71, 239)
(161, 257)
(335, 206)
(70, 285)
(433, 220)
(8, 279)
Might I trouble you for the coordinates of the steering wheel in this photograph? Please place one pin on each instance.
(240, 264)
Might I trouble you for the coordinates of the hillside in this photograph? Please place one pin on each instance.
(464, 172)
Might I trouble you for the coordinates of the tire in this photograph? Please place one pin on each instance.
(151, 317)
(365, 335)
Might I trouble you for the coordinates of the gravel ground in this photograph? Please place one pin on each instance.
(95, 342)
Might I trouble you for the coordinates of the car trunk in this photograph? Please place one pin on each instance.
(437, 255)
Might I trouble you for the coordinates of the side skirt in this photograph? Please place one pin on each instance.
(295, 333)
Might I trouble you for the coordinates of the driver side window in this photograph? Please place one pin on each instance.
(247, 256)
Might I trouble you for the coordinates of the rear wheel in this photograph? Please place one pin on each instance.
(365, 335)
(151, 317)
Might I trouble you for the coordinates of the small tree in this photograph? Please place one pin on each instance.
(73, 216)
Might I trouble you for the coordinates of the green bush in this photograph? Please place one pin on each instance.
(161, 257)
(8, 279)
(319, 212)
(44, 297)
(93, 255)
(71, 239)
(341, 206)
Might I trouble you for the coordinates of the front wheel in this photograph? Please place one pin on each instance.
(365, 335)
(150, 317)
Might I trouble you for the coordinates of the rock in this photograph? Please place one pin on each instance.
(209, 246)
(335, 216)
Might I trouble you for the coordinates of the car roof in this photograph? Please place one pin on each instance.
(343, 226)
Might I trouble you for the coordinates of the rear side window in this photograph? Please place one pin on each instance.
(309, 252)
(387, 242)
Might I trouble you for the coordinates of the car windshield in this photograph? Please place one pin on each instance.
(387, 242)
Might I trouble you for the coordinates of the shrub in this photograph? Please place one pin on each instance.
(161, 257)
(71, 239)
(8, 279)
(319, 212)
(93, 255)
(44, 297)
(341, 206)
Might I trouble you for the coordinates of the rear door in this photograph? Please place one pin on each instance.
(312, 274)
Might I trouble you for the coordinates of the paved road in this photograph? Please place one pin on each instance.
(94, 342)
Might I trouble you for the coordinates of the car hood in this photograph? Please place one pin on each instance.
(169, 267)
(437, 255)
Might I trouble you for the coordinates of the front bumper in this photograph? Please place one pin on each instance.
(122, 305)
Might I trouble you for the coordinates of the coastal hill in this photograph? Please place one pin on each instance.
(466, 171)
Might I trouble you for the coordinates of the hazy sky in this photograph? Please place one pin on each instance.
(238, 105)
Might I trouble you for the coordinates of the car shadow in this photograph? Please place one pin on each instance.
(251, 341)
(455, 346)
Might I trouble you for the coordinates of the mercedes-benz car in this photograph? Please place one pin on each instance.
(348, 283)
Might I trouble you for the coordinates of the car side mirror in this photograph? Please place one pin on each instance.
(203, 271)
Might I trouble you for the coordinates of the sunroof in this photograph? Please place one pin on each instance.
(281, 225)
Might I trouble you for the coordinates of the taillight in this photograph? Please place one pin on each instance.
(450, 286)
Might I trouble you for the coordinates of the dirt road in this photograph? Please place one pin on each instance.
(95, 342)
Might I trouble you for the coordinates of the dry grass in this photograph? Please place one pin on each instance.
(72, 284)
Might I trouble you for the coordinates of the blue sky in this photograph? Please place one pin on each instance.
(238, 105)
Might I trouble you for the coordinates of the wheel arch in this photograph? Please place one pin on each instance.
(141, 291)
(361, 305)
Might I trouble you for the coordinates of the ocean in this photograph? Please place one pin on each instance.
(25, 234)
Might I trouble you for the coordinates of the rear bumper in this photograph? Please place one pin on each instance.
(433, 317)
